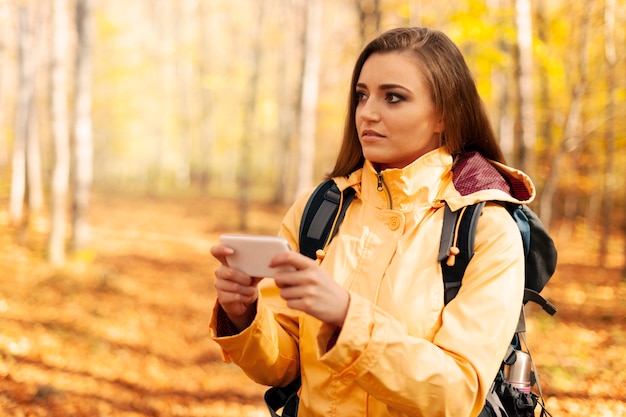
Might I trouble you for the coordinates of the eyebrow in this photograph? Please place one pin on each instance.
(385, 86)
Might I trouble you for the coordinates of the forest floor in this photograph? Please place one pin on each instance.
(121, 330)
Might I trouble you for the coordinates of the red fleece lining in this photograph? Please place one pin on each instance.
(474, 173)
(224, 326)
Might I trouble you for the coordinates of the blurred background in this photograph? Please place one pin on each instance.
(133, 132)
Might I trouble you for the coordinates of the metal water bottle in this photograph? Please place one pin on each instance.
(518, 373)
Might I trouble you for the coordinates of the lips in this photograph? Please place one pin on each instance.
(371, 134)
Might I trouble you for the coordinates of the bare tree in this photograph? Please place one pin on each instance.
(3, 64)
(245, 155)
(543, 29)
(60, 133)
(24, 98)
(369, 19)
(502, 85)
(186, 81)
(526, 106)
(289, 97)
(83, 136)
(308, 104)
(207, 22)
(610, 54)
(571, 136)
(25, 140)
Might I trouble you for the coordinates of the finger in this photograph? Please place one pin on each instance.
(293, 259)
(220, 252)
(224, 272)
(233, 287)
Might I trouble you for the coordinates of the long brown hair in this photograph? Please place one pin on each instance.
(453, 91)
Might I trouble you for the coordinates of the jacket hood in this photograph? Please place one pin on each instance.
(439, 180)
(475, 179)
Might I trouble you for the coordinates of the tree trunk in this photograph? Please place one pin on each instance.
(33, 167)
(186, 82)
(289, 113)
(609, 189)
(523, 22)
(163, 47)
(208, 28)
(4, 152)
(308, 105)
(83, 136)
(245, 156)
(369, 19)
(501, 82)
(24, 106)
(545, 121)
(60, 134)
(571, 135)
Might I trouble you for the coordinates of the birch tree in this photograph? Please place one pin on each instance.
(609, 186)
(83, 137)
(500, 80)
(245, 156)
(310, 85)
(3, 65)
(186, 82)
(369, 19)
(60, 133)
(289, 97)
(25, 146)
(546, 122)
(571, 136)
(526, 106)
(24, 94)
(208, 27)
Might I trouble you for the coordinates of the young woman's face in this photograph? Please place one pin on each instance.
(395, 117)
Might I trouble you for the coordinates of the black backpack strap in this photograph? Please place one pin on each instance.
(456, 247)
(535, 297)
(322, 216)
(283, 397)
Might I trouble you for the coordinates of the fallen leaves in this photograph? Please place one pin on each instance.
(123, 332)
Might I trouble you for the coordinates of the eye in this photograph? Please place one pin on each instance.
(394, 98)
(360, 96)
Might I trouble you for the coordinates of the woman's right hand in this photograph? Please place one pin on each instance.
(237, 292)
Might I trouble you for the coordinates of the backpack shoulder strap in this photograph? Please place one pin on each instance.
(456, 247)
(322, 216)
(323, 213)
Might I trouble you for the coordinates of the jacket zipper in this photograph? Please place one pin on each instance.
(382, 186)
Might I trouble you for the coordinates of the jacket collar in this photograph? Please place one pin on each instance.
(431, 180)
(418, 183)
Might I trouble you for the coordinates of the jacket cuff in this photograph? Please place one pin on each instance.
(223, 326)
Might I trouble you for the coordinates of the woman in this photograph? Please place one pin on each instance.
(365, 324)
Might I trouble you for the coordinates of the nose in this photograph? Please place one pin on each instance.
(368, 111)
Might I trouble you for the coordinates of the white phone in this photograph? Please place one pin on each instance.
(254, 252)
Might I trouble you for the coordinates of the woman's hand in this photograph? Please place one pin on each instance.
(237, 292)
(310, 289)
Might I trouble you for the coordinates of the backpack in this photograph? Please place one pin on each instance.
(510, 394)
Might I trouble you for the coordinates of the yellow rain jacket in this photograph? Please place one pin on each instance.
(399, 352)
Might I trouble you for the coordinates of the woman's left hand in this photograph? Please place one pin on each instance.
(310, 289)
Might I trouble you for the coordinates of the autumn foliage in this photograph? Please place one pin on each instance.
(122, 329)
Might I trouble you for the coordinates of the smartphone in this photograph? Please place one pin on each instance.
(254, 252)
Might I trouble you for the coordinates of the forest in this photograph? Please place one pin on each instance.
(133, 133)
